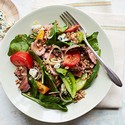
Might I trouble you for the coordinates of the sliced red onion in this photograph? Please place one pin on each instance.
(52, 71)
(52, 61)
(63, 90)
(53, 93)
(71, 47)
(57, 65)
(46, 55)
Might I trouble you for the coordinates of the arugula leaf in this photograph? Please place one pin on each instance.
(19, 43)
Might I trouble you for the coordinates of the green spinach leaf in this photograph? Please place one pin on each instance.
(49, 105)
(92, 39)
(50, 82)
(34, 88)
(68, 100)
(30, 40)
(19, 43)
(47, 98)
(94, 74)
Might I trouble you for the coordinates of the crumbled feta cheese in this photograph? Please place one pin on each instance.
(37, 26)
(33, 72)
(63, 89)
(62, 37)
(57, 65)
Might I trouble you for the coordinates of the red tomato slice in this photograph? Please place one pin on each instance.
(22, 59)
(71, 58)
(72, 28)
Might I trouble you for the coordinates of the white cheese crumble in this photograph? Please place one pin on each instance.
(57, 65)
(62, 37)
(33, 72)
(36, 26)
(63, 89)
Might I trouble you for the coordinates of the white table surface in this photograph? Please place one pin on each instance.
(9, 115)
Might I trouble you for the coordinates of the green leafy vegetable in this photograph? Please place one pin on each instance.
(48, 98)
(93, 75)
(62, 29)
(80, 36)
(92, 39)
(54, 106)
(68, 100)
(61, 71)
(80, 82)
(30, 40)
(54, 99)
(50, 82)
(34, 88)
(19, 43)
(49, 105)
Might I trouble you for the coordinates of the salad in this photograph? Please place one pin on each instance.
(54, 66)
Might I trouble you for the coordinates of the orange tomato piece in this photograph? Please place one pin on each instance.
(42, 88)
(40, 35)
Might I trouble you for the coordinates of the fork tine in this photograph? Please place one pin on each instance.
(63, 19)
(66, 20)
(73, 19)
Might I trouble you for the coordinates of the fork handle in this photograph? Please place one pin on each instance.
(111, 74)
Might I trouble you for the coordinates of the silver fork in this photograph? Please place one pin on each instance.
(68, 18)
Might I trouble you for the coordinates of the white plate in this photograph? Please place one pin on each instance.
(93, 95)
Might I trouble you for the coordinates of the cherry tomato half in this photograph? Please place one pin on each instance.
(71, 58)
(72, 28)
(22, 59)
